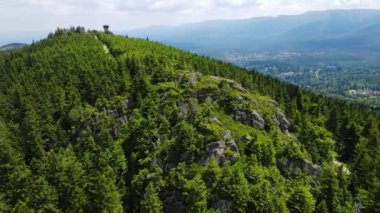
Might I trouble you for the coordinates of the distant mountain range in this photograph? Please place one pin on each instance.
(325, 35)
(12, 46)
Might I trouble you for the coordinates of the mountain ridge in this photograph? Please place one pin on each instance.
(148, 127)
(255, 32)
(342, 44)
(12, 46)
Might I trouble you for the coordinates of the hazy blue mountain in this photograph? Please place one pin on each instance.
(24, 37)
(356, 33)
(12, 46)
(336, 52)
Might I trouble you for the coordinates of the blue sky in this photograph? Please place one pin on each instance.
(29, 16)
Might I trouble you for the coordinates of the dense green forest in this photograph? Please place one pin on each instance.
(93, 122)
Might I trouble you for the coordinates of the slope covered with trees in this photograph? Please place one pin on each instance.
(101, 123)
(335, 52)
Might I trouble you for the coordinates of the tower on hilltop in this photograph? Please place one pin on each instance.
(106, 27)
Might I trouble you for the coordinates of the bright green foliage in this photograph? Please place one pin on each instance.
(232, 185)
(318, 142)
(103, 195)
(151, 202)
(64, 172)
(147, 127)
(301, 200)
(22, 207)
(267, 193)
(196, 194)
(333, 190)
(321, 207)
(42, 196)
(264, 152)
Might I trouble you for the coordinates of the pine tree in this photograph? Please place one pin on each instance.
(196, 195)
(301, 200)
(103, 195)
(151, 202)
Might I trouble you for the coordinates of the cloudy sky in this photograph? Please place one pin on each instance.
(29, 16)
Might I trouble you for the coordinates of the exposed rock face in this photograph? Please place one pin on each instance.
(156, 161)
(343, 167)
(231, 83)
(123, 119)
(129, 103)
(247, 138)
(183, 110)
(168, 167)
(193, 78)
(252, 118)
(116, 113)
(239, 100)
(216, 120)
(282, 122)
(252, 101)
(274, 103)
(186, 112)
(237, 86)
(218, 149)
(255, 120)
(290, 166)
(221, 205)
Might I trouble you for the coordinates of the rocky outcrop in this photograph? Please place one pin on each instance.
(290, 167)
(274, 103)
(193, 78)
(183, 111)
(239, 100)
(219, 148)
(231, 83)
(186, 111)
(255, 120)
(251, 118)
(342, 166)
(156, 161)
(221, 205)
(251, 100)
(282, 122)
(117, 112)
(168, 167)
(246, 138)
(216, 120)
(120, 117)
(237, 86)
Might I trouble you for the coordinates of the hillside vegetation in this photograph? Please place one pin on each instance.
(335, 52)
(93, 122)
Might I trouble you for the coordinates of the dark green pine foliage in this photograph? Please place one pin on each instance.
(93, 122)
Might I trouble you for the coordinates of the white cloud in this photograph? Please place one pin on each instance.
(46, 15)
(179, 5)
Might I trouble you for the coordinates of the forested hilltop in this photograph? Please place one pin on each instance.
(93, 122)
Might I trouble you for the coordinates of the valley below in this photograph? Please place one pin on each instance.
(353, 81)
